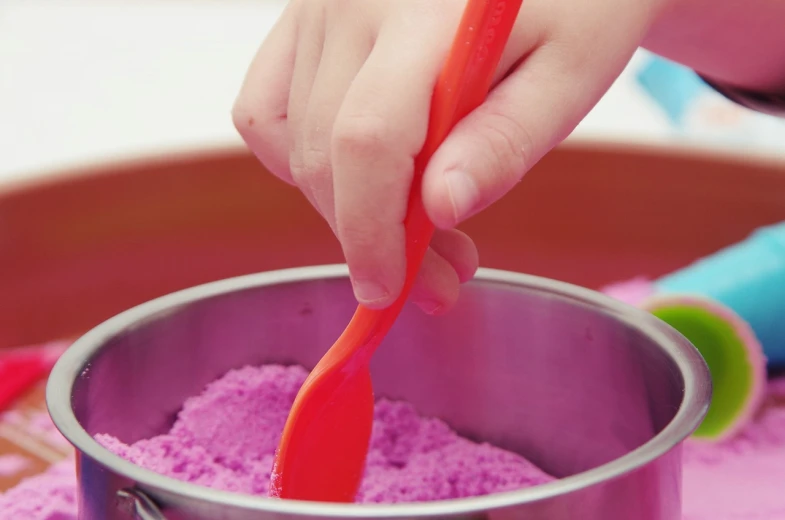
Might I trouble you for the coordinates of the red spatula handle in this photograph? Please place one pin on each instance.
(18, 374)
(462, 86)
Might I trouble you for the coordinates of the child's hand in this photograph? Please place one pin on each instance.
(337, 99)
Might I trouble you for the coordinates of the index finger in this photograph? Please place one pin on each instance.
(379, 130)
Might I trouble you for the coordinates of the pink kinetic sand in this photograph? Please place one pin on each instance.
(12, 464)
(226, 438)
(742, 478)
(739, 479)
(49, 496)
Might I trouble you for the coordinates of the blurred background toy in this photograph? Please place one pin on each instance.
(729, 304)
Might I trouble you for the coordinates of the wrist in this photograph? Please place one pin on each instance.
(727, 41)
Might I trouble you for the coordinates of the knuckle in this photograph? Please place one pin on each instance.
(510, 144)
(310, 164)
(243, 117)
(363, 134)
(572, 57)
(250, 120)
(360, 235)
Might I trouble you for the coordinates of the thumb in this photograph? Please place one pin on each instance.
(490, 150)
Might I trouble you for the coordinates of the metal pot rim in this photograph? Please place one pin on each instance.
(697, 394)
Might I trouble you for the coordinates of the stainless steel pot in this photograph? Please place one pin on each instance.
(593, 391)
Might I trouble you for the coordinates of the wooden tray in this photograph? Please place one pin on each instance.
(85, 245)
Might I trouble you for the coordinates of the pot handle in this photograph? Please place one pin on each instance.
(140, 505)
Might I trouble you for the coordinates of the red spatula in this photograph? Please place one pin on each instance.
(322, 453)
(23, 368)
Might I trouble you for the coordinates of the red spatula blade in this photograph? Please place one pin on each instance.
(345, 418)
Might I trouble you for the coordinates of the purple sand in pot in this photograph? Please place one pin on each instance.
(226, 438)
(740, 479)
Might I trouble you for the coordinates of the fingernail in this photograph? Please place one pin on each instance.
(463, 193)
(430, 306)
(368, 291)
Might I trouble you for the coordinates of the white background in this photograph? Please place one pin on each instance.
(88, 80)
